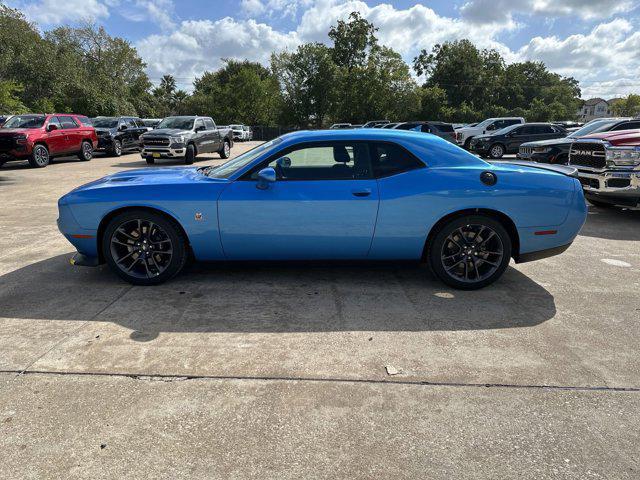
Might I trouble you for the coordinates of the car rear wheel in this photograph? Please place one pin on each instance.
(39, 157)
(190, 156)
(86, 151)
(496, 151)
(144, 248)
(116, 149)
(470, 252)
(226, 150)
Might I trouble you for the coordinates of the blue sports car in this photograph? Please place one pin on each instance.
(334, 194)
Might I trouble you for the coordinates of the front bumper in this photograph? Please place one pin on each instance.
(621, 183)
(105, 143)
(172, 151)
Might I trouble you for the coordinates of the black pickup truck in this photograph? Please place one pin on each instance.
(185, 137)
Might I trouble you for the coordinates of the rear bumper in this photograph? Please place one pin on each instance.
(540, 254)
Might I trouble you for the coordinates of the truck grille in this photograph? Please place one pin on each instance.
(156, 142)
(6, 143)
(590, 155)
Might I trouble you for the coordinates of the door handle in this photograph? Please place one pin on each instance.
(361, 193)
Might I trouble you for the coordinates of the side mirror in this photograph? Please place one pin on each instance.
(122, 127)
(266, 176)
(51, 127)
(491, 127)
(200, 129)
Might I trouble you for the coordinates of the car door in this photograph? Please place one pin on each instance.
(72, 134)
(323, 205)
(516, 137)
(56, 138)
(127, 134)
(212, 135)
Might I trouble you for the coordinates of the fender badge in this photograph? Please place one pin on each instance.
(199, 216)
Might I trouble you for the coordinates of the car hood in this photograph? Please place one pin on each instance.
(149, 176)
(167, 131)
(555, 141)
(16, 131)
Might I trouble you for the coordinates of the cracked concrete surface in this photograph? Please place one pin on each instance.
(287, 362)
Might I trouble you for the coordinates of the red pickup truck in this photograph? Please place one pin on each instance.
(609, 167)
(39, 138)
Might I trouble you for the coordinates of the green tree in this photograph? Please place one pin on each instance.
(9, 98)
(627, 107)
(306, 79)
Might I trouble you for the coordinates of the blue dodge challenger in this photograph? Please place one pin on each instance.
(333, 194)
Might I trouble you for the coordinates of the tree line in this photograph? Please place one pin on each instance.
(355, 79)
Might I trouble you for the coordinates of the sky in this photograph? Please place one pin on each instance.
(595, 41)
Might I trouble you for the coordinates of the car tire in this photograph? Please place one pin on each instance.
(467, 143)
(86, 151)
(116, 149)
(39, 157)
(190, 156)
(496, 151)
(144, 248)
(470, 252)
(226, 150)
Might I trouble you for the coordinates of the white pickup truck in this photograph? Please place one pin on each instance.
(465, 134)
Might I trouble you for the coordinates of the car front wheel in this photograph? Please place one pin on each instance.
(144, 248)
(39, 156)
(496, 151)
(116, 149)
(470, 252)
(190, 156)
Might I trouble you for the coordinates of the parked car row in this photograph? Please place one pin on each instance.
(40, 137)
(242, 133)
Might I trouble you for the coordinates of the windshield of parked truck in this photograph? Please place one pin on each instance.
(25, 121)
(485, 123)
(594, 127)
(232, 166)
(106, 122)
(180, 123)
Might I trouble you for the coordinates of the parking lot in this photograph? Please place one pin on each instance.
(316, 371)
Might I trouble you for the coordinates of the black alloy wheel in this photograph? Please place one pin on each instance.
(470, 252)
(86, 151)
(39, 156)
(144, 248)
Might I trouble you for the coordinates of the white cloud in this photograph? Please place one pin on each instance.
(502, 11)
(55, 12)
(160, 12)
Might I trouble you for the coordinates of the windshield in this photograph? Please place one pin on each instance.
(594, 127)
(483, 124)
(179, 123)
(25, 121)
(105, 122)
(232, 166)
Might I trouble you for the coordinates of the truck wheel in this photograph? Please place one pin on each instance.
(39, 156)
(116, 149)
(150, 160)
(226, 150)
(496, 151)
(86, 151)
(467, 143)
(191, 154)
(470, 252)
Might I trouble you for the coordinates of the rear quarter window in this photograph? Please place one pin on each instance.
(85, 121)
(391, 159)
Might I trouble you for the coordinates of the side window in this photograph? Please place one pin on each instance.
(138, 122)
(199, 124)
(55, 121)
(426, 128)
(522, 131)
(67, 122)
(547, 129)
(86, 121)
(498, 124)
(340, 161)
(208, 123)
(626, 126)
(129, 123)
(390, 159)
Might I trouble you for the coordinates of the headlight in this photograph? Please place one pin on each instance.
(623, 156)
(541, 149)
(179, 139)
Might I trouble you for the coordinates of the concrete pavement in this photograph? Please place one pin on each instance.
(278, 371)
